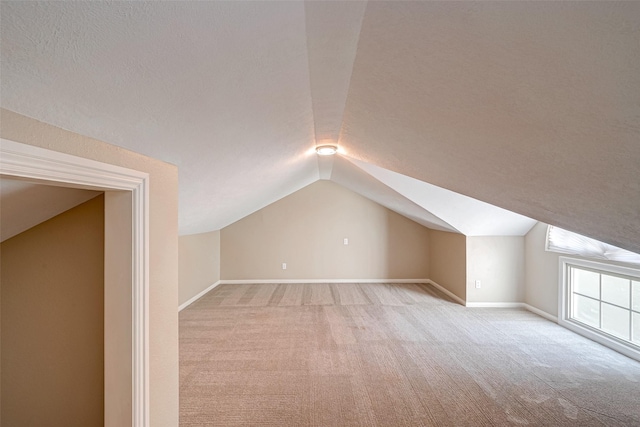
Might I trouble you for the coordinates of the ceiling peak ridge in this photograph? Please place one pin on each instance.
(332, 35)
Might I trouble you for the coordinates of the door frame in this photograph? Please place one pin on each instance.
(37, 164)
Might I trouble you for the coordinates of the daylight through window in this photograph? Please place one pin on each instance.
(603, 299)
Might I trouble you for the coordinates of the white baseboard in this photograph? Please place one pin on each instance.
(541, 313)
(197, 297)
(450, 294)
(436, 285)
(494, 304)
(513, 305)
(307, 281)
(304, 281)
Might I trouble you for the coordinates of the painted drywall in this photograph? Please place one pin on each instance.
(52, 285)
(541, 271)
(306, 230)
(500, 101)
(498, 262)
(163, 241)
(463, 214)
(542, 274)
(448, 261)
(199, 263)
(118, 309)
(25, 204)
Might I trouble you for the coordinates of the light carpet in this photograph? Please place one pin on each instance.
(390, 355)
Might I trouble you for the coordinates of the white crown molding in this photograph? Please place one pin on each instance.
(39, 164)
(197, 297)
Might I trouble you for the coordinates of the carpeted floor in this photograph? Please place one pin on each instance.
(390, 355)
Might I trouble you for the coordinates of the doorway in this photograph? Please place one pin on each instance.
(126, 267)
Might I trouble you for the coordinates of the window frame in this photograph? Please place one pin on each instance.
(620, 345)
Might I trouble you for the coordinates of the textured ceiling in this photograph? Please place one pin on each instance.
(530, 106)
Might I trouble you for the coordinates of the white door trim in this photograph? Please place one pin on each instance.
(35, 163)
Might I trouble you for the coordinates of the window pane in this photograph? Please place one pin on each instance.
(636, 295)
(615, 320)
(615, 290)
(586, 310)
(636, 328)
(586, 282)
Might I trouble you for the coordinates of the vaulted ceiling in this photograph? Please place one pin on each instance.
(451, 113)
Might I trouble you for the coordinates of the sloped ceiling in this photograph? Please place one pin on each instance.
(25, 204)
(469, 216)
(530, 106)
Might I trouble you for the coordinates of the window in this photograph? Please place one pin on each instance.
(567, 242)
(602, 302)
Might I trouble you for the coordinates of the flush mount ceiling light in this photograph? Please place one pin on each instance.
(326, 150)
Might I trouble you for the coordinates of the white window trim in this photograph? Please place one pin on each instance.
(564, 320)
(35, 163)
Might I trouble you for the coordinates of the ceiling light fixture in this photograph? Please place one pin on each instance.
(326, 150)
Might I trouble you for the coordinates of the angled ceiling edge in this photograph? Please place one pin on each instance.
(355, 179)
(471, 216)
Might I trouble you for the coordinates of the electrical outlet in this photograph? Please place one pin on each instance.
(478, 284)
(284, 265)
(345, 241)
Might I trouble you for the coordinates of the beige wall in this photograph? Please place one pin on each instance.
(541, 272)
(52, 289)
(163, 239)
(448, 261)
(118, 309)
(306, 230)
(498, 262)
(199, 265)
